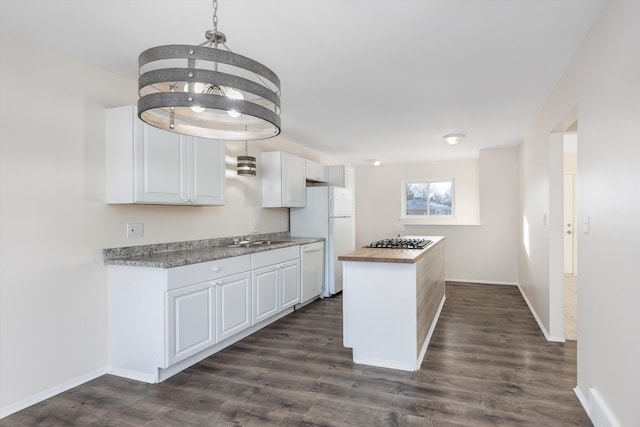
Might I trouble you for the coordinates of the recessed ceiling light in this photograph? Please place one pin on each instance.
(454, 138)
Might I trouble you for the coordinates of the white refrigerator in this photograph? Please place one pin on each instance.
(328, 214)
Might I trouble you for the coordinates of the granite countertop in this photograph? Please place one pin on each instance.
(400, 256)
(168, 255)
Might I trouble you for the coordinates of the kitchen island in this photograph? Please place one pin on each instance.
(392, 299)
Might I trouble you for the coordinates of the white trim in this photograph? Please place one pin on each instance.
(482, 282)
(600, 414)
(583, 400)
(540, 324)
(50, 392)
(133, 375)
(442, 224)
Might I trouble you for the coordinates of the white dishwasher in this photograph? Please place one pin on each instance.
(312, 260)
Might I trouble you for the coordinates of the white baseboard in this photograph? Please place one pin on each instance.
(50, 392)
(540, 324)
(583, 400)
(600, 414)
(483, 282)
(596, 408)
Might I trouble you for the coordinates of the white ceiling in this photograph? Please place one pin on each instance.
(361, 79)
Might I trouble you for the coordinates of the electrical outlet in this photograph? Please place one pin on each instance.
(256, 224)
(134, 229)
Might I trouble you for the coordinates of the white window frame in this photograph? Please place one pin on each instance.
(403, 199)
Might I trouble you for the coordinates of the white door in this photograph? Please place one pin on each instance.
(340, 202)
(207, 180)
(234, 304)
(290, 280)
(293, 181)
(265, 293)
(340, 243)
(161, 158)
(191, 321)
(568, 226)
(312, 275)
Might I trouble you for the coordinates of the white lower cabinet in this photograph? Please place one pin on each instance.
(191, 319)
(290, 285)
(276, 281)
(234, 305)
(265, 288)
(162, 320)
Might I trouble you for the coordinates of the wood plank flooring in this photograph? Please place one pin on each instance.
(488, 364)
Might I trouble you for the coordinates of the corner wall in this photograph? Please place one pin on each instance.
(602, 81)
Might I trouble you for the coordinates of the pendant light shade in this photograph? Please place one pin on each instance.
(246, 164)
(208, 91)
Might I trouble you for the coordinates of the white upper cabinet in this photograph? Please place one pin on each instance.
(283, 180)
(316, 172)
(150, 165)
(342, 176)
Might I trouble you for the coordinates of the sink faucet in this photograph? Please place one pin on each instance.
(245, 239)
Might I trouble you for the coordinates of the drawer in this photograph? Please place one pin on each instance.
(262, 259)
(204, 271)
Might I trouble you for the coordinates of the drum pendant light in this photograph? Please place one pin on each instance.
(208, 91)
(246, 164)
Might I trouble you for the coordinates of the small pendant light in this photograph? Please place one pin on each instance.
(246, 164)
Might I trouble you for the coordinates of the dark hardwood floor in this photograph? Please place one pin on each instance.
(488, 364)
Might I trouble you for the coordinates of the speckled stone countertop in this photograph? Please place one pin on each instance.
(167, 255)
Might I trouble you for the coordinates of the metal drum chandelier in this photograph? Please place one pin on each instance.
(208, 91)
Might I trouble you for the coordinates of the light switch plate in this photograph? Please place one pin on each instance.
(134, 229)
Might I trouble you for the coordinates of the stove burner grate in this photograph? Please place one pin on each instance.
(400, 244)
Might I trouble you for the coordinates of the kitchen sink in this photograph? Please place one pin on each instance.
(256, 243)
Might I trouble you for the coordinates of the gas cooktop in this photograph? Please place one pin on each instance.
(400, 244)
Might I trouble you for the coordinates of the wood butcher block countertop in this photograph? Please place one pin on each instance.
(401, 256)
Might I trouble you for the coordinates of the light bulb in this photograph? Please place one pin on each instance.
(233, 94)
(197, 88)
(454, 138)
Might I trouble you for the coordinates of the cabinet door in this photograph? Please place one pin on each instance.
(293, 181)
(290, 282)
(190, 321)
(207, 169)
(312, 275)
(265, 293)
(161, 166)
(234, 304)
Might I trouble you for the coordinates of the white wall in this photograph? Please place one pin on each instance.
(602, 83)
(54, 223)
(483, 248)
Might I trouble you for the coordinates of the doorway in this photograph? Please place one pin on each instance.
(570, 171)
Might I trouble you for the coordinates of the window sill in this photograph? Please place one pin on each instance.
(442, 223)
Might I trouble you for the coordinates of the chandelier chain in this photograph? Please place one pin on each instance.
(215, 16)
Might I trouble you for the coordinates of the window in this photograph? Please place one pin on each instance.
(421, 198)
